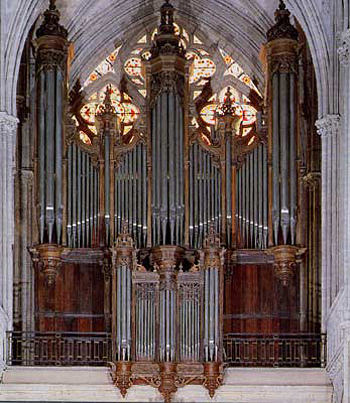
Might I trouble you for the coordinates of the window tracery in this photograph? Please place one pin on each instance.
(202, 68)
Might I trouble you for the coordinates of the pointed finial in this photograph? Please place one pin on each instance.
(52, 5)
(282, 5)
(282, 28)
(51, 25)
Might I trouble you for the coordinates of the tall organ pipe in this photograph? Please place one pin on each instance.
(212, 305)
(284, 154)
(168, 166)
(122, 258)
(130, 194)
(252, 203)
(204, 200)
(82, 198)
(275, 158)
(42, 175)
(58, 155)
(293, 173)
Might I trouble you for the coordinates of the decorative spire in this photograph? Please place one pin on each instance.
(166, 41)
(282, 28)
(124, 239)
(51, 25)
(212, 240)
(107, 107)
(227, 108)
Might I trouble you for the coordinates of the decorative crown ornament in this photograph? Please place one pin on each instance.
(51, 25)
(282, 28)
(166, 41)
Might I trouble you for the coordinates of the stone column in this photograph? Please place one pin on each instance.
(8, 127)
(328, 128)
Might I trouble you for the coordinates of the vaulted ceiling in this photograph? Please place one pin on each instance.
(95, 26)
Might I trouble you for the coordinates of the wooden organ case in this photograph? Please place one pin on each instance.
(167, 239)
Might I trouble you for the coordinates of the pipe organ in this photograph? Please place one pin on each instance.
(167, 208)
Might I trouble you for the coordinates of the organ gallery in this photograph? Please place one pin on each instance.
(172, 217)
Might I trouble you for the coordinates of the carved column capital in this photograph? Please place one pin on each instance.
(48, 257)
(329, 126)
(8, 124)
(167, 258)
(344, 48)
(286, 258)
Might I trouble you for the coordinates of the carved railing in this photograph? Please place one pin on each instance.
(95, 349)
(275, 350)
(59, 348)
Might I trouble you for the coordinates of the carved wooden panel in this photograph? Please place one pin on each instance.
(74, 303)
(255, 301)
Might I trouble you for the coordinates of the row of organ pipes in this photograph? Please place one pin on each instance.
(167, 194)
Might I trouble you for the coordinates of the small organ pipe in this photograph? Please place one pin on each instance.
(251, 200)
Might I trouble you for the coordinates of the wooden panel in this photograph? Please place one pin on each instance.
(255, 302)
(74, 303)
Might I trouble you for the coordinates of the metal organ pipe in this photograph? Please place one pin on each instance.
(205, 199)
(42, 141)
(107, 216)
(168, 166)
(284, 154)
(252, 203)
(82, 198)
(58, 155)
(275, 158)
(50, 152)
(130, 194)
(293, 157)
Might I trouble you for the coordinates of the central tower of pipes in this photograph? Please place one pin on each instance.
(166, 81)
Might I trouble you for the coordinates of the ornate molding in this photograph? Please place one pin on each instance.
(344, 48)
(329, 126)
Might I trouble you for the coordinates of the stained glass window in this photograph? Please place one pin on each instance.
(126, 111)
(103, 68)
